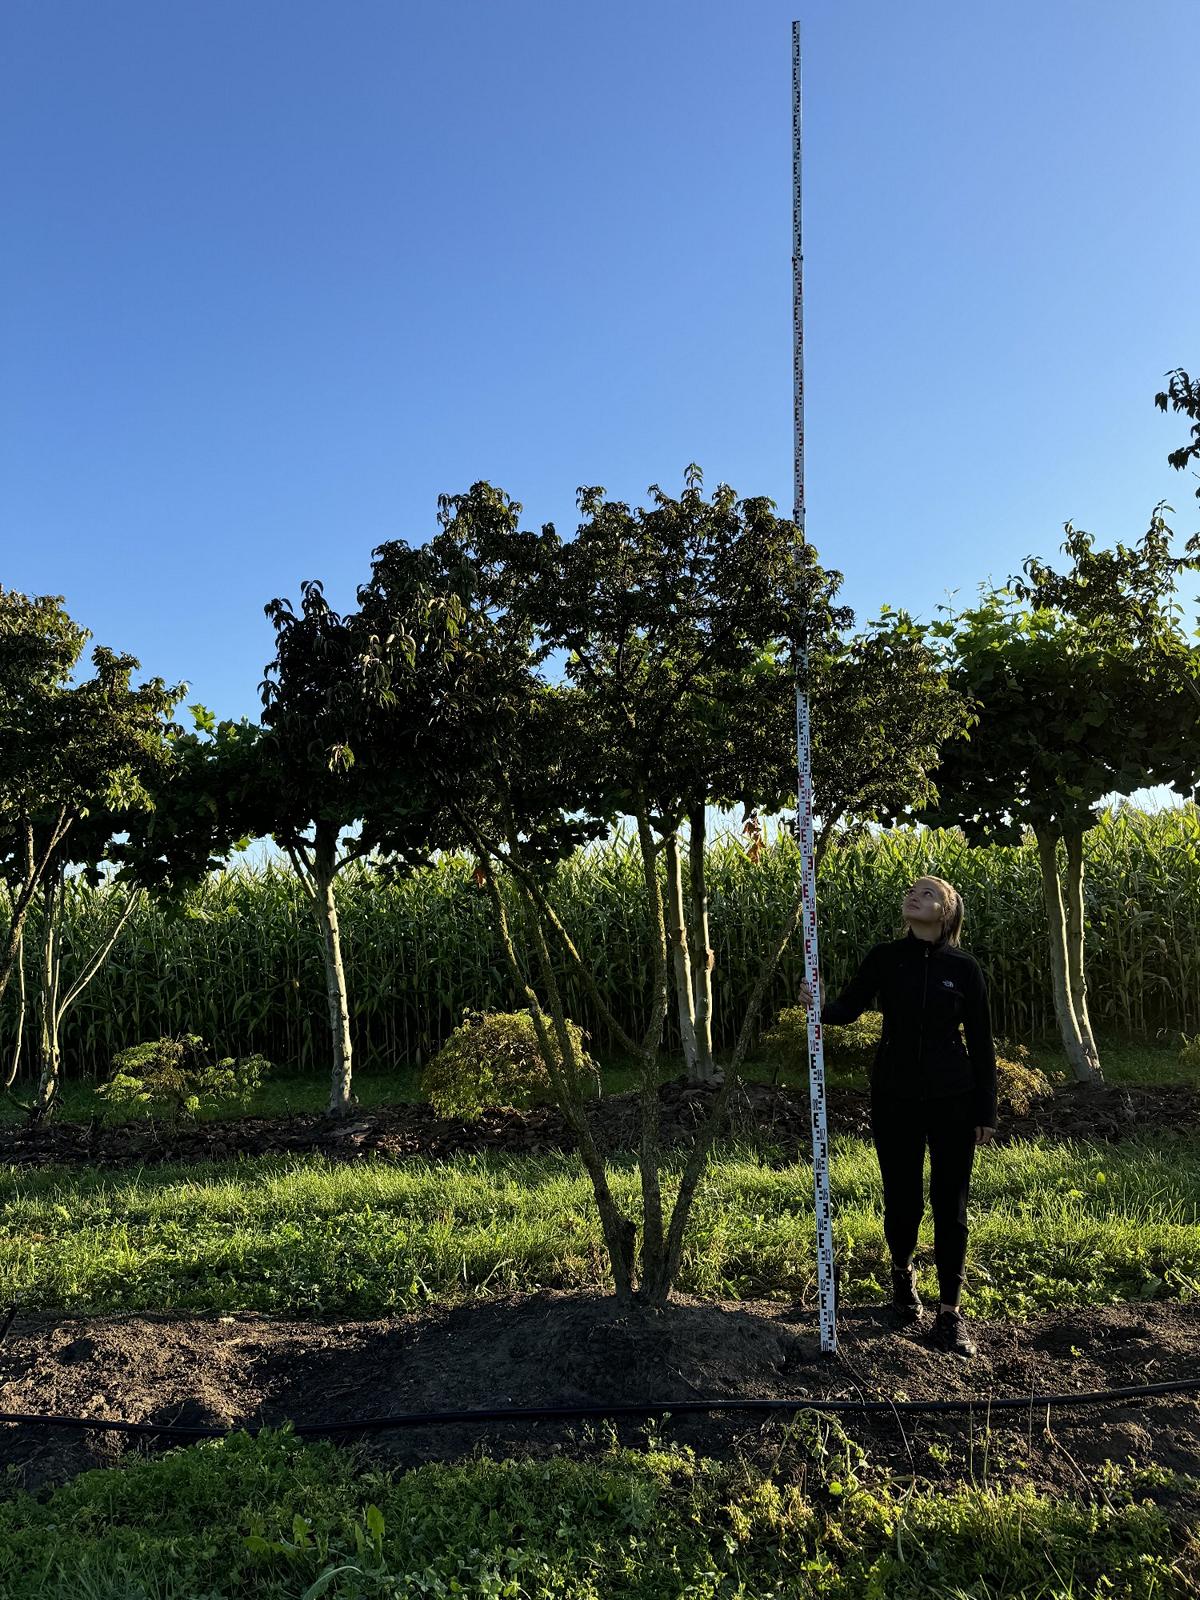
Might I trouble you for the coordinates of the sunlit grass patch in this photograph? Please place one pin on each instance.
(1054, 1223)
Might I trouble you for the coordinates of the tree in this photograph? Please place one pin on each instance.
(674, 623)
(39, 647)
(1082, 682)
(337, 756)
(77, 761)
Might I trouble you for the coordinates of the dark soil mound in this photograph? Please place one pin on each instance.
(778, 1117)
(567, 1349)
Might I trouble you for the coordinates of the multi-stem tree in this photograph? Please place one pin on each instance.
(56, 988)
(1085, 687)
(39, 648)
(673, 624)
(77, 760)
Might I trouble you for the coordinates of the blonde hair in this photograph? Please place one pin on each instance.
(952, 921)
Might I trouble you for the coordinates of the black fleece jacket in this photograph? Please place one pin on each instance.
(929, 994)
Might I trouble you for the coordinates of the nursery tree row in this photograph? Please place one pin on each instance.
(508, 693)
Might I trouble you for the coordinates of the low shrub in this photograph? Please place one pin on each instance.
(850, 1051)
(1189, 1052)
(493, 1059)
(1019, 1084)
(177, 1076)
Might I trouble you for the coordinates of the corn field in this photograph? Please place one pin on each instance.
(239, 961)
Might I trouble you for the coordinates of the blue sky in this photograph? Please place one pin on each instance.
(278, 274)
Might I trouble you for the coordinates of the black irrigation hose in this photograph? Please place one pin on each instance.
(424, 1419)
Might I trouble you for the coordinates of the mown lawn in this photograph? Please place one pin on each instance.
(272, 1517)
(1054, 1224)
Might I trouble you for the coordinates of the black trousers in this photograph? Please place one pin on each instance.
(901, 1130)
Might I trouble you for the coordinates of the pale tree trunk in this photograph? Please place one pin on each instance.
(50, 1055)
(1076, 972)
(703, 958)
(680, 956)
(55, 1003)
(1064, 1008)
(341, 1101)
(22, 899)
(316, 866)
(14, 1065)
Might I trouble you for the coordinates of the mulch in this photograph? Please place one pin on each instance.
(777, 1117)
(563, 1348)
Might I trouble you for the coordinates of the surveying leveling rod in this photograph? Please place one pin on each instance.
(804, 796)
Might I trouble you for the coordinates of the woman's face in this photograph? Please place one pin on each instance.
(924, 903)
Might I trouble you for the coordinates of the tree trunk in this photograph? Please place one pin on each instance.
(619, 1232)
(26, 892)
(680, 957)
(1076, 974)
(703, 958)
(341, 1101)
(705, 1135)
(655, 1285)
(50, 1052)
(14, 1065)
(1064, 1009)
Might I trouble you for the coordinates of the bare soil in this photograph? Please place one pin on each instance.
(774, 1116)
(557, 1348)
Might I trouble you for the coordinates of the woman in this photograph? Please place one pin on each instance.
(926, 1087)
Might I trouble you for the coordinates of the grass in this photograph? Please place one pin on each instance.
(272, 1517)
(1126, 1062)
(1053, 1224)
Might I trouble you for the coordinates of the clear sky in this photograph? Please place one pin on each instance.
(276, 273)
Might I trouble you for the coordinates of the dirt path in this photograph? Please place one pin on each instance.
(558, 1348)
(777, 1116)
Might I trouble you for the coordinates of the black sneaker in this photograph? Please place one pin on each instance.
(950, 1333)
(906, 1302)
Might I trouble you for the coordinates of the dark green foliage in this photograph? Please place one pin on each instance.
(492, 1059)
(1183, 394)
(177, 1076)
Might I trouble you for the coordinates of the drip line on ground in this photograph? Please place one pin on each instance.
(651, 1408)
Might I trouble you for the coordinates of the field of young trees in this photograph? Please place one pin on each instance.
(490, 1091)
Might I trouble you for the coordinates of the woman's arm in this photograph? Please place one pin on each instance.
(858, 993)
(977, 1024)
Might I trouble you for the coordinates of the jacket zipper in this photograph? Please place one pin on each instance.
(920, 1036)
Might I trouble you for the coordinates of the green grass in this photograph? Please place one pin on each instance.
(1125, 1062)
(275, 1518)
(277, 1097)
(1053, 1224)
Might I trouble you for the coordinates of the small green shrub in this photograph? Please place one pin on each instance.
(849, 1049)
(1189, 1052)
(177, 1076)
(492, 1059)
